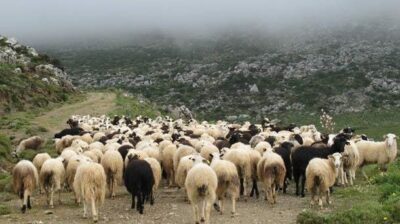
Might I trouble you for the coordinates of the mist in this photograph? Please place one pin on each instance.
(42, 22)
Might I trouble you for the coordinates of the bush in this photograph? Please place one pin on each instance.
(4, 210)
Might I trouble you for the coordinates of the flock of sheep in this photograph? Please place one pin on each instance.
(209, 161)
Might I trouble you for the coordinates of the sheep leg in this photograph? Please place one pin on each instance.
(296, 179)
(51, 198)
(233, 199)
(113, 182)
(221, 205)
(59, 197)
(24, 202)
(29, 202)
(151, 197)
(195, 207)
(241, 186)
(140, 204)
(363, 173)
(256, 188)
(245, 188)
(203, 207)
(303, 181)
(94, 211)
(84, 210)
(327, 197)
(133, 201)
(274, 194)
(208, 209)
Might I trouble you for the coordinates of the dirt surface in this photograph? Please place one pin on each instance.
(169, 207)
(96, 103)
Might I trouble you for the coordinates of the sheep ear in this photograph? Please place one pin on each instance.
(211, 155)
(384, 136)
(330, 157)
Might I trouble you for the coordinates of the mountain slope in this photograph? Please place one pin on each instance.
(29, 79)
(349, 69)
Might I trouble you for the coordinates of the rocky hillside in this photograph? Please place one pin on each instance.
(29, 79)
(348, 69)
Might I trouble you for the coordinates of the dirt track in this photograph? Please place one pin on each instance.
(96, 103)
(169, 207)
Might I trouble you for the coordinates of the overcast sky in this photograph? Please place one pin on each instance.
(38, 21)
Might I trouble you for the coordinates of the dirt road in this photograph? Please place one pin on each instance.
(169, 207)
(96, 103)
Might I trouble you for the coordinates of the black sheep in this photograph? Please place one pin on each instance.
(302, 156)
(69, 131)
(284, 150)
(139, 181)
(221, 143)
(123, 150)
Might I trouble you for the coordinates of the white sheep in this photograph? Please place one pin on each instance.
(167, 155)
(262, 147)
(156, 168)
(321, 175)
(52, 177)
(185, 164)
(90, 185)
(113, 165)
(38, 161)
(241, 158)
(207, 150)
(25, 179)
(271, 171)
(351, 159)
(70, 171)
(228, 181)
(183, 150)
(201, 185)
(34, 142)
(381, 153)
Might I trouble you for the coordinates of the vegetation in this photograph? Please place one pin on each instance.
(131, 106)
(376, 201)
(24, 90)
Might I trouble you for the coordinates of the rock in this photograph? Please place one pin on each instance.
(48, 212)
(254, 89)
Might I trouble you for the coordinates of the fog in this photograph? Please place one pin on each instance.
(56, 21)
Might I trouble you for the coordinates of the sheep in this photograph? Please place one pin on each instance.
(228, 181)
(96, 145)
(185, 164)
(153, 151)
(156, 168)
(254, 159)
(303, 154)
(87, 138)
(139, 182)
(347, 173)
(284, 150)
(68, 131)
(67, 154)
(123, 150)
(90, 185)
(167, 155)
(321, 175)
(38, 161)
(25, 179)
(113, 165)
(271, 171)
(98, 153)
(70, 171)
(201, 184)
(137, 154)
(262, 147)
(381, 153)
(183, 150)
(92, 155)
(52, 177)
(63, 143)
(34, 142)
(78, 143)
(241, 158)
(206, 151)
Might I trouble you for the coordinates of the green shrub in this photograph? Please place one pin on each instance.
(4, 210)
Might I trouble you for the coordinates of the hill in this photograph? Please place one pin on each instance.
(29, 79)
(240, 75)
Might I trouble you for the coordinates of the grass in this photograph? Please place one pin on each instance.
(132, 107)
(374, 202)
(4, 210)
